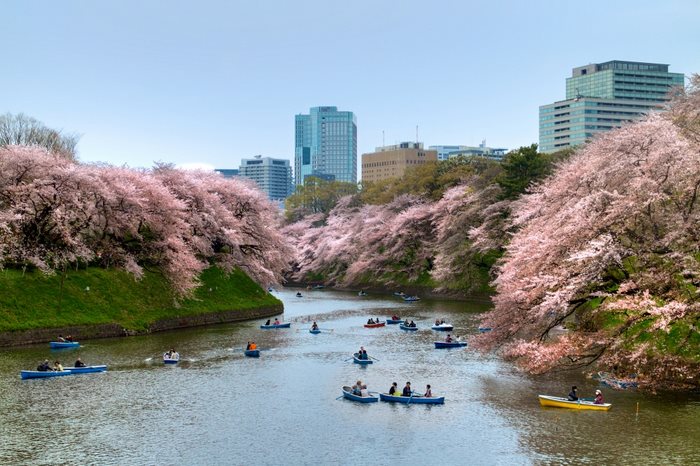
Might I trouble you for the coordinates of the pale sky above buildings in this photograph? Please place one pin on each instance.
(211, 82)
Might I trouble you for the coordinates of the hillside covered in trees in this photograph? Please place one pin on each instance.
(592, 257)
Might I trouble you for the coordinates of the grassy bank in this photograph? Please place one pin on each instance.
(97, 296)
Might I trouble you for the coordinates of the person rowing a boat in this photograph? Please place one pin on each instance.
(277, 321)
(598, 398)
(407, 389)
(395, 317)
(412, 324)
(394, 390)
(370, 321)
(253, 346)
(314, 326)
(57, 367)
(428, 391)
(79, 363)
(362, 354)
(60, 338)
(268, 322)
(357, 388)
(573, 395)
(448, 339)
(44, 366)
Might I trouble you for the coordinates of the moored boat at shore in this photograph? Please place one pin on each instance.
(559, 402)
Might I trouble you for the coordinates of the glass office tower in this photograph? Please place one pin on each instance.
(604, 96)
(273, 176)
(325, 145)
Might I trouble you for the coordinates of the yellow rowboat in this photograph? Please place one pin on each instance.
(557, 402)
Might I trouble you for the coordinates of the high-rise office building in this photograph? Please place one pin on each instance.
(325, 145)
(393, 161)
(273, 176)
(601, 97)
(227, 172)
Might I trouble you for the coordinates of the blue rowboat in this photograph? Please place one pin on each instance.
(285, 325)
(86, 369)
(357, 360)
(63, 344)
(411, 299)
(415, 399)
(170, 360)
(315, 331)
(452, 344)
(405, 327)
(42, 374)
(252, 353)
(392, 321)
(347, 393)
(443, 327)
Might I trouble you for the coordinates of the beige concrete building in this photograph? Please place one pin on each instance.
(392, 161)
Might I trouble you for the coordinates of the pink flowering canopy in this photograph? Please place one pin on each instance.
(55, 213)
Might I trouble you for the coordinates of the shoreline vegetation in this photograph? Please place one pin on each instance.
(100, 303)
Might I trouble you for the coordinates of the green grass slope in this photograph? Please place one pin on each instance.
(33, 300)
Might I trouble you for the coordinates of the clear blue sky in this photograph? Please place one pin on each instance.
(216, 81)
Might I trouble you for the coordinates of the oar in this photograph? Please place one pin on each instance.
(372, 357)
(410, 398)
(339, 397)
(350, 359)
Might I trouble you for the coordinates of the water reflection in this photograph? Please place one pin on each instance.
(218, 407)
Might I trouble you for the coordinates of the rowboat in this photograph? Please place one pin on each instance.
(484, 329)
(392, 321)
(284, 325)
(378, 324)
(170, 360)
(361, 293)
(415, 399)
(86, 369)
(406, 327)
(252, 353)
(443, 327)
(451, 344)
(42, 374)
(558, 402)
(411, 299)
(63, 344)
(357, 360)
(315, 331)
(347, 393)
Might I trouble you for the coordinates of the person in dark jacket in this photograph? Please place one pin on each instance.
(407, 389)
(79, 363)
(394, 390)
(573, 395)
(44, 366)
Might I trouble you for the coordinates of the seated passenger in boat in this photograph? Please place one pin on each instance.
(573, 395)
(57, 366)
(437, 321)
(412, 324)
(448, 339)
(370, 321)
(364, 391)
(428, 391)
(252, 346)
(69, 338)
(395, 317)
(362, 353)
(598, 398)
(247, 347)
(394, 390)
(314, 326)
(44, 366)
(298, 294)
(60, 338)
(276, 322)
(407, 389)
(357, 388)
(268, 322)
(79, 363)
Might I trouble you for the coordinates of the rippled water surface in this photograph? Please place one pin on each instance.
(218, 407)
